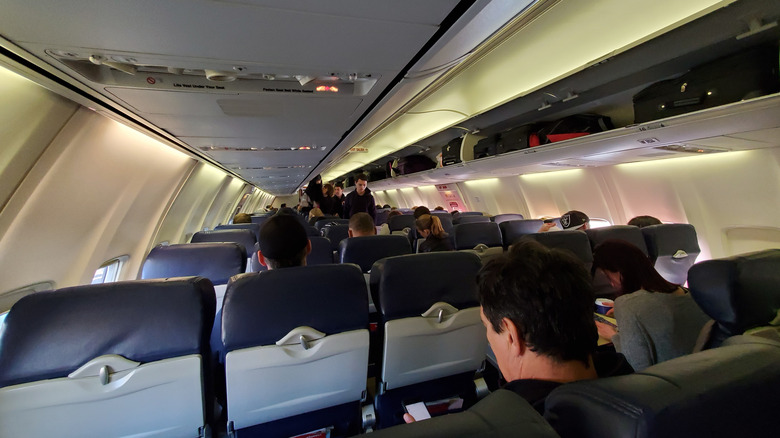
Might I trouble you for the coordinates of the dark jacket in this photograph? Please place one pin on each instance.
(355, 203)
(434, 244)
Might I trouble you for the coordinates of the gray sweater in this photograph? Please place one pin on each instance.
(655, 327)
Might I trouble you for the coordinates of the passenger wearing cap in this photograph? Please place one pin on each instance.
(571, 220)
(283, 243)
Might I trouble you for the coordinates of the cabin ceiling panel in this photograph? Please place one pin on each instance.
(350, 35)
(224, 145)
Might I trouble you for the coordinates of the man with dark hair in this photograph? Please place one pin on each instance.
(537, 307)
(644, 221)
(360, 199)
(338, 192)
(361, 224)
(283, 242)
(419, 211)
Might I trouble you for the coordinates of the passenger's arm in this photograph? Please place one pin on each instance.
(634, 343)
(347, 207)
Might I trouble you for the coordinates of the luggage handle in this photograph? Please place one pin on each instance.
(686, 102)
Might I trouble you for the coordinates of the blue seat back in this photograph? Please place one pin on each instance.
(513, 230)
(321, 251)
(217, 261)
(673, 249)
(320, 224)
(472, 219)
(469, 235)
(728, 391)
(254, 227)
(365, 250)
(246, 238)
(506, 217)
(335, 234)
(574, 241)
(399, 222)
(740, 293)
(628, 233)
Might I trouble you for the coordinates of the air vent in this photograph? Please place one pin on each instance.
(656, 154)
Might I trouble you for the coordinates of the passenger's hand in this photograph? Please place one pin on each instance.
(408, 418)
(546, 227)
(606, 331)
(611, 312)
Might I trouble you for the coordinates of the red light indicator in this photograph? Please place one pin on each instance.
(332, 89)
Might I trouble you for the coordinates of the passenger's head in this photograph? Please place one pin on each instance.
(386, 206)
(394, 213)
(575, 220)
(628, 268)
(327, 190)
(283, 242)
(419, 211)
(361, 182)
(361, 224)
(338, 189)
(283, 206)
(242, 218)
(544, 297)
(644, 221)
(439, 208)
(429, 224)
(315, 212)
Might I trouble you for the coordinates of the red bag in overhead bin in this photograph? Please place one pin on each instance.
(572, 127)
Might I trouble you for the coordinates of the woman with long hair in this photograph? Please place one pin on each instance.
(657, 320)
(436, 239)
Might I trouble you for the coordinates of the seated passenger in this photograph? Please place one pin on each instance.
(438, 208)
(436, 239)
(242, 218)
(361, 224)
(571, 220)
(314, 214)
(657, 320)
(537, 308)
(283, 243)
(419, 211)
(644, 221)
(384, 230)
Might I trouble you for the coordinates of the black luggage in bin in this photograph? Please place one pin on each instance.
(450, 153)
(745, 75)
(486, 147)
(516, 139)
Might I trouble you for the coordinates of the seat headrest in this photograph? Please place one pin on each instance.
(469, 235)
(575, 241)
(399, 222)
(740, 292)
(365, 250)
(668, 239)
(728, 391)
(215, 261)
(247, 238)
(321, 251)
(335, 234)
(50, 334)
(513, 230)
(499, 218)
(260, 309)
(311, 231)
(473, 219)
(629, 233)
(408, 285)
(254, 227)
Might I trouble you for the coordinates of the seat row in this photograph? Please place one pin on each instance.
(133, 358)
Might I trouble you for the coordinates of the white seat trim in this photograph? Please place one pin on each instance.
(157, 399)
(271, 382)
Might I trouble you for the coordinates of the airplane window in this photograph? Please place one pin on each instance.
(109, 271)
(597, 222)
